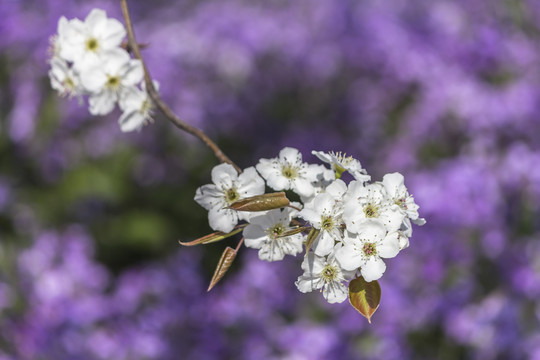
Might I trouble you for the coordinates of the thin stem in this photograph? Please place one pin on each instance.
(169, 114)
(239, 244)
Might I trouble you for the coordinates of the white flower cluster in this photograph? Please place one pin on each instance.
(352, 226)
(87, 59)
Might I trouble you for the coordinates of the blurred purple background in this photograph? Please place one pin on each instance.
(445, 92)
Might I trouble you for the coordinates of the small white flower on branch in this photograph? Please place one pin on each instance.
(227, 188)
(365, 249)
(265, 232)
(341, 163)
(288, 172)
(325, 274)
(85, 42)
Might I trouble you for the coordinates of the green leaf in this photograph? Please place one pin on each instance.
(213, 237)
(261, 202)
(365, 296)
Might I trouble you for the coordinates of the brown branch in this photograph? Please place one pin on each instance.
(169, 114)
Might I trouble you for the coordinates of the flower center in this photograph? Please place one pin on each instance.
(112, 82)
(401, 203)
(146, 107)
(327, 223)
(275, 231)
(289, 171)
(231, 196)
(371, 211)
(329, 273)
(369, 249)
(69, 83)
(92, 44)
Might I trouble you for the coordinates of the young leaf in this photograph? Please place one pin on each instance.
(294, 231)
(261, 202)
(365, 296)
(213, 237)
(311, 238)
(224, 264)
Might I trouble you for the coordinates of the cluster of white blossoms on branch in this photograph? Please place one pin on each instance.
(347, 229)
(87, 59)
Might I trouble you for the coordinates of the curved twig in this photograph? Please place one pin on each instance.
(169, 114)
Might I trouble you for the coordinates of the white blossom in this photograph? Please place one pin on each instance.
(64, 78)
(341, 162)
(264, 233)
(85, 42)
(110, 80)
(394, 184)
(325, 214)
(137, 107)
(370, 202)
(227, 188)
(288, 172)
(365, 250)
(325, 274)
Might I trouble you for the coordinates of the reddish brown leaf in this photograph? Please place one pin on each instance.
(213, 237)
(311, 238)
(365, 296)
(261, 202)
(223, 266)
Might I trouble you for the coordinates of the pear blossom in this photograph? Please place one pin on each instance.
(325, 274)
(137, 107)
(325, 214)
(265, 231)
(341, 162)
(364, 202)
(394, 184)
(109, 81)
(227, 188)
(365, 249)
(288, 172)
(65, 79)
(85, 42)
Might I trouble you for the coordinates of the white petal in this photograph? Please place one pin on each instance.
(277, 181)
(223, 175)
(222, 219)
(102, 103)
(373, 269)
(290, 155)
(389, 247)
(311, 216)
(349, 258)
(114, 34)
(324, 244)
(337, 189)
(394, 185)
(131, 120)
(133, 73)
(93, 80)
(335, 292)
(250, 183)
(302, 187)
(209, 197)
(307, 284)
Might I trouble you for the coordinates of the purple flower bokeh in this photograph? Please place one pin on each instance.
(445, 92)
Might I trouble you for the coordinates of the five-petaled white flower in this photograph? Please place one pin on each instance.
(111, 80)
(64, 78)
(324, 273)
(365, 249)
(85, 42)
(265, 232)
(370, 202)
(394, 184)
(325, 214)
(288, 172)
(137, 107)
(227, 188)
(341, 162)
